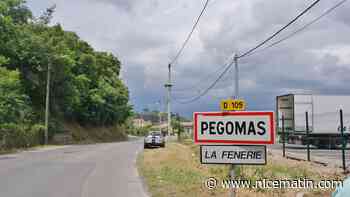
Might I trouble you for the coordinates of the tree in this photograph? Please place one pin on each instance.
(17, 128)
(176, 125)
(85, 84)
(3, 60)
(13, 102)
(46, 17)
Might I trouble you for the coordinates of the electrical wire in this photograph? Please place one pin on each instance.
(280, 30)
(190, 34)
(204, 79)
(328, 11)
(251, 51)
(207, 89)
(199, 82)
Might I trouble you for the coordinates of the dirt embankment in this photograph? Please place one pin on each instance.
(75, 133)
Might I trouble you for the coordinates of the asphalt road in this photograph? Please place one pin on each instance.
(102, 170)
(332, 157)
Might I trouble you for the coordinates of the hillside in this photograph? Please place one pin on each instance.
(85, 87)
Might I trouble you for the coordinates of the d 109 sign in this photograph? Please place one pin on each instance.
(234, 127)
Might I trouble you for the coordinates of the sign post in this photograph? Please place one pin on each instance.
(237, 96)
(234, 136)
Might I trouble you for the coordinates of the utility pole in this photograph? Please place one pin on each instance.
(160, 112)
(168, 86)
(236, 77)
(178, 125)
(236, 96)
(47, 106)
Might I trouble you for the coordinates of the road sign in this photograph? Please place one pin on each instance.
(232, 105)
(246, 127)
(233, 154)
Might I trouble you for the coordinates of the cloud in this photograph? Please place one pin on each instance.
(146, 34)
(124, 4)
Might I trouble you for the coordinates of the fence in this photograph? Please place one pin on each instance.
(343, 137)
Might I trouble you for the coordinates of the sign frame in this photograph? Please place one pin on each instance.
(221, 145)
(234, 142)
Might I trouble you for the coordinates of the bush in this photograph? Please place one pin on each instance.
(17, 129)
(142, 131)
(21, 136)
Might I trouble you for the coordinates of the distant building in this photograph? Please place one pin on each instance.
(188, 126)
(153, 117)
(139, 122)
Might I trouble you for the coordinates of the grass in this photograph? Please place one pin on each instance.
(173, 171)
(176, 171)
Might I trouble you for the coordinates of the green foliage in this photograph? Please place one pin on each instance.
(142, 131)
(16, 126)
(176, 124)
(85, 84)
(13, 101)
(47, 15)
(21, 135)
(3, 60)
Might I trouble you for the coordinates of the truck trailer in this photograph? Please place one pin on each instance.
(323, 118)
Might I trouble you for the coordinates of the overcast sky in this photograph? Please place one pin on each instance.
(146, 34)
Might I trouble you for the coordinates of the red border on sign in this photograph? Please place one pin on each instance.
(240, 113)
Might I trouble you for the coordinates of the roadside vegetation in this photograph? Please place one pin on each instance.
(85, 85)
(176, 171)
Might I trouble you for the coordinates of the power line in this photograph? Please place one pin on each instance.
(196, 85)
(207, 89)
(249, 52)
(300, 29)
(202, 80)
(280, 30)
(190, 34)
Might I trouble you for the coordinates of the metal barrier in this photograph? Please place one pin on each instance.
(344, 138)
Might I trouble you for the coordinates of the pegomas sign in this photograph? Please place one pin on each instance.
(234, 127)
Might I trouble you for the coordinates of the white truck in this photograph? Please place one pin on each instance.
(323, 118)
